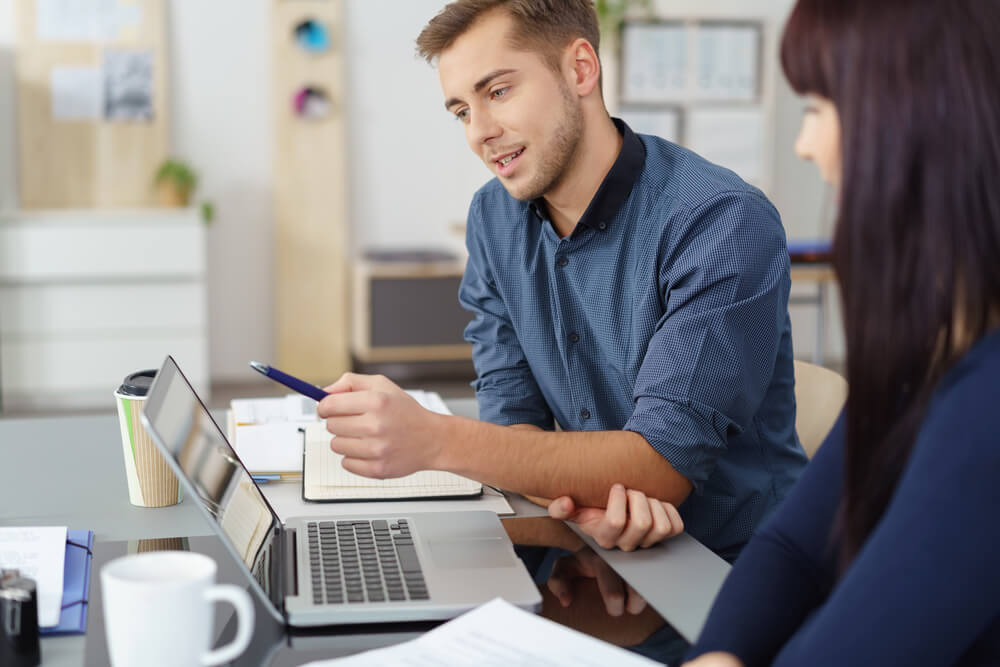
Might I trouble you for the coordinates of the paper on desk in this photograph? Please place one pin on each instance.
(497, 634)
(290, 408)
(38, 553)
(275, 447)
(265, 431)
(286, 499)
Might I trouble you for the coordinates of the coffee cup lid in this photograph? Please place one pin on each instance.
(137, 384)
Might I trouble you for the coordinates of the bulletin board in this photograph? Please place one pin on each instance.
(312, 317)
(91, 78)
(699, 83)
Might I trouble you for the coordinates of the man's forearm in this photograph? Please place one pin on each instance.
(580, 464)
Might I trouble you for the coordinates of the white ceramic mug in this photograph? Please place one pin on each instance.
(158, 610)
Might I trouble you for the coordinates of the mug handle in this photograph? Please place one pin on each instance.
(240, 600)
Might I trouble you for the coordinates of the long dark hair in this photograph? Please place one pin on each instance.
(917, 240)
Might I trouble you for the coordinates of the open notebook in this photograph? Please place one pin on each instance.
(325, 480)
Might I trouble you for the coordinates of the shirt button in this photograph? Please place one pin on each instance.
(585, 414)
(574, 337)
(562, 261)
(602, 226)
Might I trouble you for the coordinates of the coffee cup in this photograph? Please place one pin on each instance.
(158, 610)
(151, 482)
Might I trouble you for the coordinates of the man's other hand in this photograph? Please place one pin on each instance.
(630, 520)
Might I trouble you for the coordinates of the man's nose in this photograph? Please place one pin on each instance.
(482, 128)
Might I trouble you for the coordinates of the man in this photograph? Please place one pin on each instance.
(622, 288)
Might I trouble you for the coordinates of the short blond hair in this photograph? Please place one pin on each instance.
(542, 26)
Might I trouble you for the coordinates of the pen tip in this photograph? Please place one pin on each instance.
(257, 366)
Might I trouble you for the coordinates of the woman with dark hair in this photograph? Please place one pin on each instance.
(885, 552)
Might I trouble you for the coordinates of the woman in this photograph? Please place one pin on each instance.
(886, 550)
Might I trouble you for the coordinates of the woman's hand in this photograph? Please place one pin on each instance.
(631, 519)
(618, 596)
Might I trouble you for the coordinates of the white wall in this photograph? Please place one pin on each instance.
(411, 173)
(220, 120)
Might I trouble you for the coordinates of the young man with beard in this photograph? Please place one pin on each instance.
(622, 288)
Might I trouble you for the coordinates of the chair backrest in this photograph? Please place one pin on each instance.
(819, 396)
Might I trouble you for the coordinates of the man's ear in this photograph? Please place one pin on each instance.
(583, 67)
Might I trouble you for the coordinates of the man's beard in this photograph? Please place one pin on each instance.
(558, 154)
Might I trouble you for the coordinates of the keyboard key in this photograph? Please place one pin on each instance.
(407, 558)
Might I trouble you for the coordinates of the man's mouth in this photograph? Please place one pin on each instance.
(504, 161)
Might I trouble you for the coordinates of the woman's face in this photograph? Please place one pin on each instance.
(819, 138)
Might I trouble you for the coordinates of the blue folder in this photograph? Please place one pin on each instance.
(76, 584)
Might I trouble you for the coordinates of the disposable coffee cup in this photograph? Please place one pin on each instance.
(151, 483)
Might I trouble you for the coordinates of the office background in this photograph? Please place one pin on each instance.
(410, 173)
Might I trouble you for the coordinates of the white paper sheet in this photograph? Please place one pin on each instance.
(270, 448)
(86, 20)
(655, 62)
(727, 62)
(286, 499)
(38, 553)
(497, 634)
(733, 138)
(77, 93)
(290, 408)
(664, 123)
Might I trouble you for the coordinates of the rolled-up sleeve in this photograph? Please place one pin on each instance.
(724, 285)
(506, 390)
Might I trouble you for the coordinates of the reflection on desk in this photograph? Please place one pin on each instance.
(273, 645)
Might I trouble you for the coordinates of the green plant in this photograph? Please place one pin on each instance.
(611, 13)
(183, 179)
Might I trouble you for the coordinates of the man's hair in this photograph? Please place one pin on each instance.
(542, 26)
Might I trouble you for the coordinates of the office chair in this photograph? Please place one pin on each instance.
(819, 397)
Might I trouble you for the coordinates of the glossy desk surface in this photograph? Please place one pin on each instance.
(69, 471)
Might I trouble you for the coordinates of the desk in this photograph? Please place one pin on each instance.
(820, 275)
(84, 487)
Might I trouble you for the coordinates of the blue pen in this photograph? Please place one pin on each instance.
(301, 386)
(264, 479)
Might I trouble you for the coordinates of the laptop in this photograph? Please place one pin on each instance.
(313, 571)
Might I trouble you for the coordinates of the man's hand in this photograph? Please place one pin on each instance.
(618, 596)
(379, 429)
(630, 520)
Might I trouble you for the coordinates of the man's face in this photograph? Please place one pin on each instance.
(521, 117)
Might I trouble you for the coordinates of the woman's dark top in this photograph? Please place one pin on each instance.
(925, 587)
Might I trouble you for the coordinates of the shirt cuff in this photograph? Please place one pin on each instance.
(689, 435)
(513, 402)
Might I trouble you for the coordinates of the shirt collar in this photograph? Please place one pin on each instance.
(615, 188)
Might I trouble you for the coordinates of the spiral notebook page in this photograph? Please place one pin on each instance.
(325, 479)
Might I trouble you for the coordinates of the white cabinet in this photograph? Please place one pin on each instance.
(87, 297)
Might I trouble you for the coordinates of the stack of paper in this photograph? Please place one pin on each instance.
(265, 432)
(268, 433)
(59, 562)
(497, 634)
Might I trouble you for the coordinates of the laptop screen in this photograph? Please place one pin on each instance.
(181, 424)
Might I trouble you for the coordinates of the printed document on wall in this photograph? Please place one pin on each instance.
(733, 138)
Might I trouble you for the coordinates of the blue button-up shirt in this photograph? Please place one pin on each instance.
(665, 313)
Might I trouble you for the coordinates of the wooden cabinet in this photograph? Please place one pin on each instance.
(87, 297)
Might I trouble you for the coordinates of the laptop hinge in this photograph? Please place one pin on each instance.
(289, 560)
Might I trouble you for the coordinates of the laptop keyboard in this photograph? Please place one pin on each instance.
(364, 561)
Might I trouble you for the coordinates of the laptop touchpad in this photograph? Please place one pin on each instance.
(471, 553)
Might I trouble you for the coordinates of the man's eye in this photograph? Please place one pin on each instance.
(462, 115)
(499, 92)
